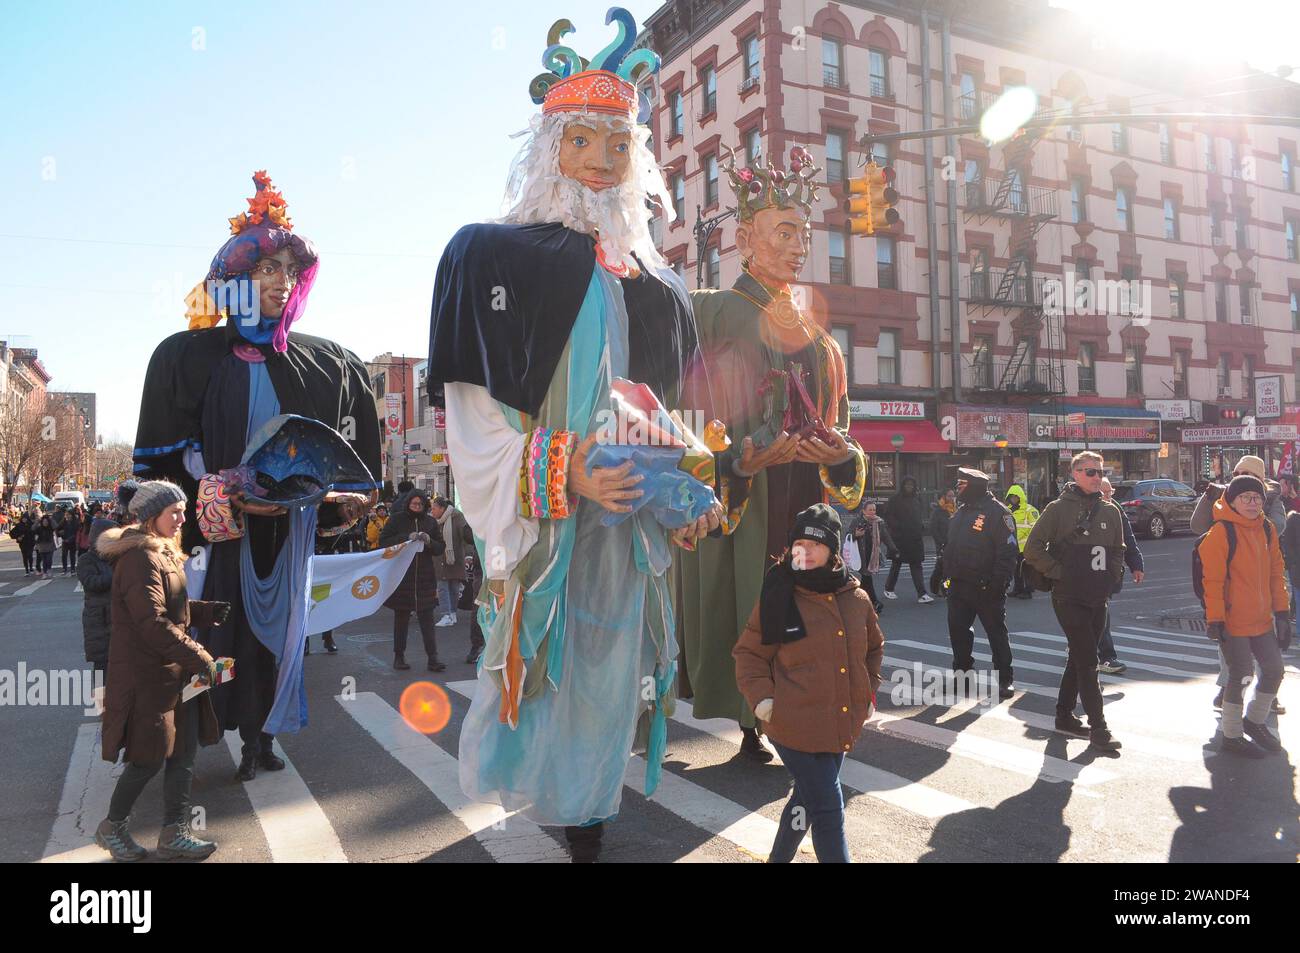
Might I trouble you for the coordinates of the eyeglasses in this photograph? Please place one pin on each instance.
(1250, 499)
(1089, 472)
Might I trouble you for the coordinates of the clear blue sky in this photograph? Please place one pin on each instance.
(131, 131)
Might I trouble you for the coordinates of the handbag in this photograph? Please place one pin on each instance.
(218, 521)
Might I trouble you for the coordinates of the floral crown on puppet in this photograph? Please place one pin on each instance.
(258, 233)
(758, 188)
(605, 84)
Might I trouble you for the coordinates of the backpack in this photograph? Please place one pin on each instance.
(1198, 570)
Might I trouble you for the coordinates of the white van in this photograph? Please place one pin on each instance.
(66, 499)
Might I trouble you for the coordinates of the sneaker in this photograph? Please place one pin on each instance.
(1278, 709)
(1100, 739)
(175, 842)
(117, 840)
(927, 598)
(1261, 735)
(1112, 667)
(890, 595)
(446, 620)
(1071, 725)
(436, 666)
(1218, 701)
(1242, 747)
(1006, 690)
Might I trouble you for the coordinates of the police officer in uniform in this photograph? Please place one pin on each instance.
(979, 561)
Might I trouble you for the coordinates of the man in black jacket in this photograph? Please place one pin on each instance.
(979, 559)
(1078, 543)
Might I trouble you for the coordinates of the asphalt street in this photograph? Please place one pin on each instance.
(926, 782)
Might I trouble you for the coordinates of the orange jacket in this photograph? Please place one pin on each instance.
(1255, 587)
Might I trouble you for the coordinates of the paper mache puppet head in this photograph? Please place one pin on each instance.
(774, 210)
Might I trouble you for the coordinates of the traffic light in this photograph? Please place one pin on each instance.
(871, 200)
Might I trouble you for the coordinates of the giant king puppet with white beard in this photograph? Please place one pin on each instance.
(535, 317)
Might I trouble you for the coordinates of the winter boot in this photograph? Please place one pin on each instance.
(753, 746)
(176, 842)
(584, 842)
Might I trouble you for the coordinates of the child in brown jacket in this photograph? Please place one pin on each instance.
(809, 664)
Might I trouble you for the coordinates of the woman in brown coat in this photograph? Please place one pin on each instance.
(150, 660)
(809, 664)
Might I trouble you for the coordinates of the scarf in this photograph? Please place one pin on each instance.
(873, 564)
(445, 527)
(778, 611)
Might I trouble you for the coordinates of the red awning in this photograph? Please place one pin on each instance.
(919, 436)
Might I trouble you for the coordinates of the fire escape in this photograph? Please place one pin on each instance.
(1004, 195)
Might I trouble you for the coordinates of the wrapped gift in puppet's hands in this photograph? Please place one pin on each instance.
(675, 466)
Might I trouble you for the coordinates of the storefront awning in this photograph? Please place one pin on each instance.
(919, 436)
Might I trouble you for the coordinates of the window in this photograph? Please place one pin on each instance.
(709, 83)
(675, 101)
(1119, 137)
(1133, 369)
(885, 277)
(974, 183)
(711, 179)
(1225, 379)
(1122, 212)
(679, 266)
(1291, 248)
(887, 358)
(1088, 368)
(1244, 299)
(1242, 219)
(879, 72)
(1078, 200)
(1083, 296)
(1221, 301)
(1016, 194)
(979, 274)
(679, 196)
(753, 146)
(1208, 142)
(1216, 225)
(1171, 220)
(967, 103)
(1248, 376)
(839, 258)
(713, 267)
(880, 153)
(832, 59)
(835, 156)
(1166, 145)
(1180, 373)
(1288, 179)
(1234, 169)
(1178, 296)
(982, 362)
(1295, 310)
(752, 60)
(844, 338)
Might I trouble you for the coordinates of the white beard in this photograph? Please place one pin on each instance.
(615, 214)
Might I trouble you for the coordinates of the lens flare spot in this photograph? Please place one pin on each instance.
(425, 707)
(1013, 108)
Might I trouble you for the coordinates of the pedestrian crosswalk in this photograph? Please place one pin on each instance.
(920, 765)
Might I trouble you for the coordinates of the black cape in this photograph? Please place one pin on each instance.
(504, 303)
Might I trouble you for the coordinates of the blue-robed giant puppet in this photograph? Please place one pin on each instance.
(536, 318)
(230, 398)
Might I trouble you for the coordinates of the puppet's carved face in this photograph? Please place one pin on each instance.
(597, 157)
(775, 242)
(275, 276)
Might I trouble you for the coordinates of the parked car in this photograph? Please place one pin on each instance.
(1156, 507)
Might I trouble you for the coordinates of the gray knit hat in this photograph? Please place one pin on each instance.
(154, 496)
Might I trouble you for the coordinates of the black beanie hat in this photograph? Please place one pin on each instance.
(1244, 484)
(821, 524)
(125, 490)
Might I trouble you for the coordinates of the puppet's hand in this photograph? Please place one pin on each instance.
(612, 487)
(253, 506)
(781, 450)
(836, 451)
(352, 506)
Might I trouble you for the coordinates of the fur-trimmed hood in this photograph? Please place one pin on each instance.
(114, 543)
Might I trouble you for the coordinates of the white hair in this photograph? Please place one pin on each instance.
(537, 191)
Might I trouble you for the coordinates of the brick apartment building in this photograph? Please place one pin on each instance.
(954, 354)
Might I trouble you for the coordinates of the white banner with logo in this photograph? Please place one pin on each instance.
(351, 586)
(1268, 397)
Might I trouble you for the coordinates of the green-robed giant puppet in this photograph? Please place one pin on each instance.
(777, 379)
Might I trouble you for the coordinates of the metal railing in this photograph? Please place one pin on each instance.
(991, 192)
(1031, 377)
(994, 287)
(832, 77)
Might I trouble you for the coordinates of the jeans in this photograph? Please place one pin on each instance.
(70, 555)
(1105, 644)
(176, 780)
(816, 801)
(918, 578)
(44, 561)
(449, 595)
(402, 623)
(966, 602)
(1082, 626)
(29, 557)
(1241, 654)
